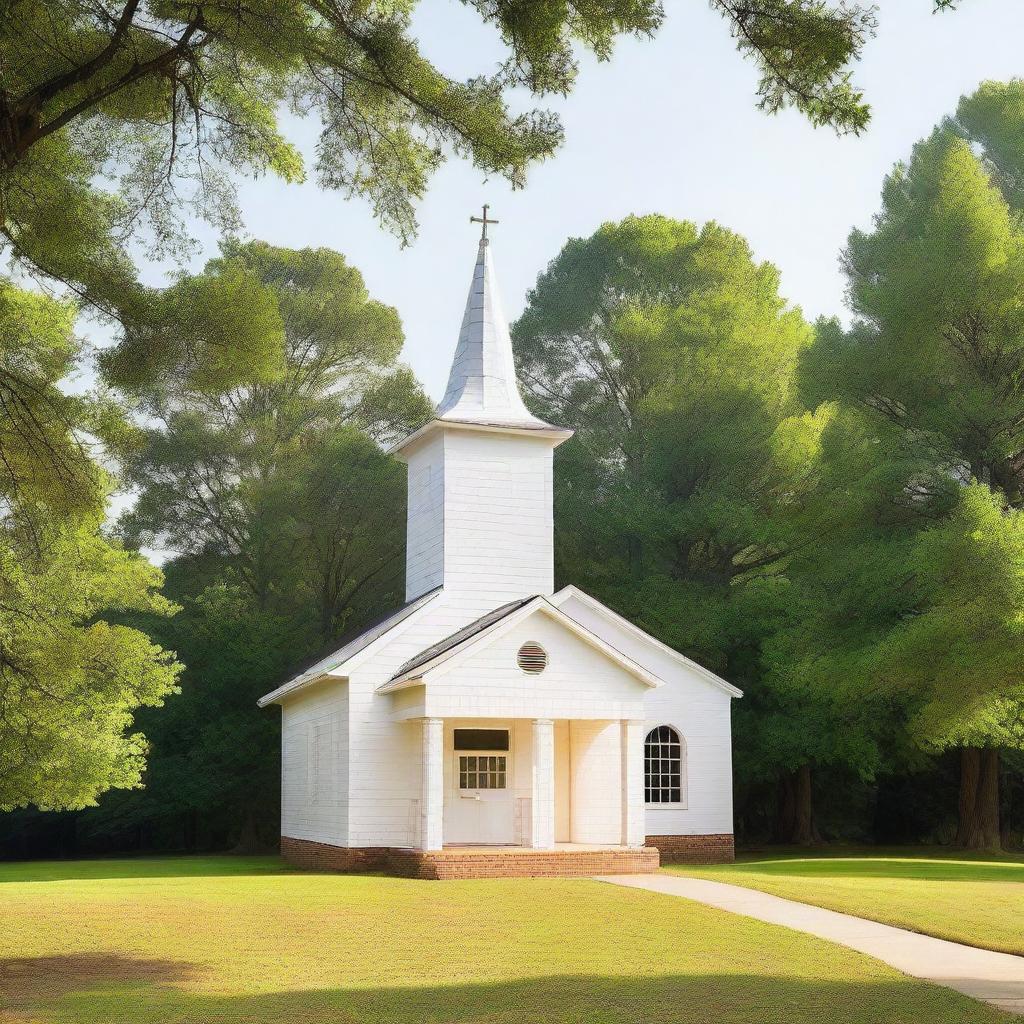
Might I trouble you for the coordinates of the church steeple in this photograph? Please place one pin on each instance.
(479, 500)
(482, 384)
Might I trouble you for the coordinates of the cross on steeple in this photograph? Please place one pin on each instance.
(485, 220)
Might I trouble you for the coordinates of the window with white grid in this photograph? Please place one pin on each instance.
(663, 766)
(482, 771)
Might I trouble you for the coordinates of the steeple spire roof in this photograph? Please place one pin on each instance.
(482, 385)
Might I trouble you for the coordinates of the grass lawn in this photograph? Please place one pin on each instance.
(974, 899)
(198, 940)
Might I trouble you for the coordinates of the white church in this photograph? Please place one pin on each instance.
(492, 725)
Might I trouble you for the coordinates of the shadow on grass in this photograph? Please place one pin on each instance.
(118, 991)
(45, 978)
(186, 866)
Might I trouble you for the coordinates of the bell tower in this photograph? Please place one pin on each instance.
(480, 472)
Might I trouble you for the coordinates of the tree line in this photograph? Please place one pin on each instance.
(827, 516)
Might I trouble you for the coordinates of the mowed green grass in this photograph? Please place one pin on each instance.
(192, 941)
(970, 899)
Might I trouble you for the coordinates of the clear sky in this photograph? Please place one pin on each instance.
(670, 126)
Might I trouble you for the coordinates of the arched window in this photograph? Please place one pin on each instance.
(664, 766)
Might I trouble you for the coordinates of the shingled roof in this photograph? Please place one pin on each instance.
(461, 636)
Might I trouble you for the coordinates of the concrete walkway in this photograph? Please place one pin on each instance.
(996, 978)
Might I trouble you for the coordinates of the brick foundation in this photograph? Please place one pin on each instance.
(473, 862)
(712, 849)
(323, 857)
(524, 863)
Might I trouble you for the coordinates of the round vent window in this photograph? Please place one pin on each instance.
(532, 658)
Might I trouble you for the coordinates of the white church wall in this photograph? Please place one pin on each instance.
(314, 764)
(596, 782)
(424, 553)
(578, 682)
(498, 515)
(702, 717)
(386, 772)
(386, 753)
(699, 709)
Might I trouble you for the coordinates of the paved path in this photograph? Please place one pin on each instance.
(996, 978)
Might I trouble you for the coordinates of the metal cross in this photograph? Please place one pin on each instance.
(485, 220)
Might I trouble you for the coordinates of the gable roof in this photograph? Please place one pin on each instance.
(445, 654)
(456, 638)
(591, 602)
(348, 649)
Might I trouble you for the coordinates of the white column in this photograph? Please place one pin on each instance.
(633, 810)
(542, 832)
(432, 794)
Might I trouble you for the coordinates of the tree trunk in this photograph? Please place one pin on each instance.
(795, 815)
(249, 841)
(978, 827)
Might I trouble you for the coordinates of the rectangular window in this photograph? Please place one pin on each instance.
(482, 772)
(481, 739)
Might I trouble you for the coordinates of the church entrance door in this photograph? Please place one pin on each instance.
(480, 809)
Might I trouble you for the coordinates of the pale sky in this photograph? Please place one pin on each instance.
(668, 126)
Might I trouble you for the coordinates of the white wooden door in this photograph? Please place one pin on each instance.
(479, 808)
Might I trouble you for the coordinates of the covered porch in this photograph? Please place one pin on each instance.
(499, 788)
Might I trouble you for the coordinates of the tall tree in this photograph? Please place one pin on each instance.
(276, 474)
(847, 584)
(934, 359)
(116, 116)
(213, 772)
(71, 677)
(672, 355)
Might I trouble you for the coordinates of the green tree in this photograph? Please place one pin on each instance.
(213, 770)
(71, 677)
(673, 357)
(341, 501)
(46, 435)
(175, 97)
(933, 361)
(847, 584)
(283, 477)
(960, 652)
(992, 119)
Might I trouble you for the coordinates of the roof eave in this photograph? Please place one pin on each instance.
(704, 673)
(402, 683)
(324, 670)
(421, 673)
(294, 686)
(556, 434)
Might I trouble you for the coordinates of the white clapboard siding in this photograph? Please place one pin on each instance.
(698, 708)
(314, 764)
(479, 515)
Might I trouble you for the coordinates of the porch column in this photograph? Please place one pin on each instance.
(542, 831)
(432, 794)
(633, 812)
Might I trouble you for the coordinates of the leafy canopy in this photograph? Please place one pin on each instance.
(918, 588)
(284, 477)
(71, 677)
(120, 115)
